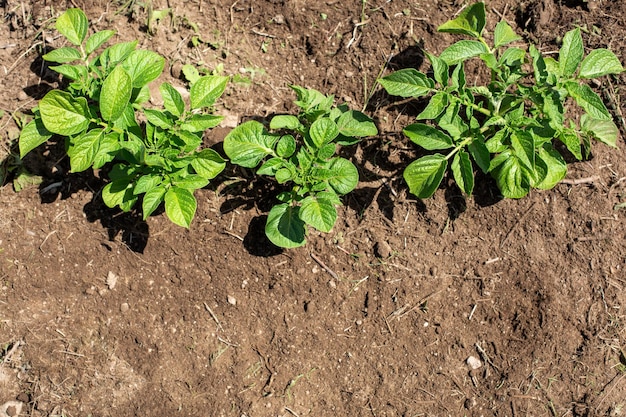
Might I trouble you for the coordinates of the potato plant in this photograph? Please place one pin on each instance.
(154, 154)
(510, 126)
(301, 151)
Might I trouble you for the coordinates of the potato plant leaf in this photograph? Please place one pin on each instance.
(424, 175)
(73, 25)
(504, 34)
(319, 213)
(284, 227)
(600, 62)
(64, 114)
(407, 83)
(152, 199)
(33, 135)
(205, 91)
(471, 21)
(180, 206)
(462, 51)
(428, 137)
(115, 94)
(143, 66)
(571, 52)
(83, 149)
(463, 173)
(248, 144)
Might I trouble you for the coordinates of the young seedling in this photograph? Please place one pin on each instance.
(301, 150)
(99, 114)
(509, 126)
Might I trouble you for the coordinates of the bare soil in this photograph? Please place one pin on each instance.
(103, 314)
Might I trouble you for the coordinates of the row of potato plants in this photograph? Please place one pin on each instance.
(507, 128)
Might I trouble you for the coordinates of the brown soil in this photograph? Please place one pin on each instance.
(376, 318)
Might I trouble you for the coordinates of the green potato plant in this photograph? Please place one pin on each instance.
(155, 153)
(301, 150)
(509, 127)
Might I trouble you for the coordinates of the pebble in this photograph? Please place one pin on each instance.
(473, 362)
(111, 280)
(11, 409)
(124, 307)
(231, 300)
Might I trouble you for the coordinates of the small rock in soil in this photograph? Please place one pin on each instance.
(111, 280)
(382, 249)
(232, 300)
(11, 409)
(473, 362)
(124, 307)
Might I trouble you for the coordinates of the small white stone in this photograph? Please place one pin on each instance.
(232, 300)
(111, 280)
(473, 362)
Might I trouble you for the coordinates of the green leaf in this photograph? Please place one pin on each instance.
(284, 228)
(83, 149)
(554, 165)
(571, 53)
(283, 175)
(115, 94)
(270, 167)
(117, 53)
(539, 65)
(201, 122)
(424, 175)
(107, 150)
(356, 124)
(524, 146)
(440, 69)
(147, 182)
(463, 173)
(286, 146)
(33, 135)
(119, 193)
(586, 98)
(208, 163)
(152, 199)
(428, 137)
(97, 40)
(63, 55)
(318, 213)
(63, 114)
(248, 144)
(510, 176)
(471, 21)
(504, 34)
(479, 152)
(191, 182)
(462, 51)
(159, 118)
(572, 142)
(180, 206)
(323, 131)
(172, 99)
(73, 72)
(286, 121)
(452, 123)
(344, 176)
(73, 25)
(600, 62)
(206, 90)
(407, 82)
(435, 107)
(513, 57)
(143, 66)
(603, 130)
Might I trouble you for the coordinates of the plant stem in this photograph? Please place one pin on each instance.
(465, 141)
